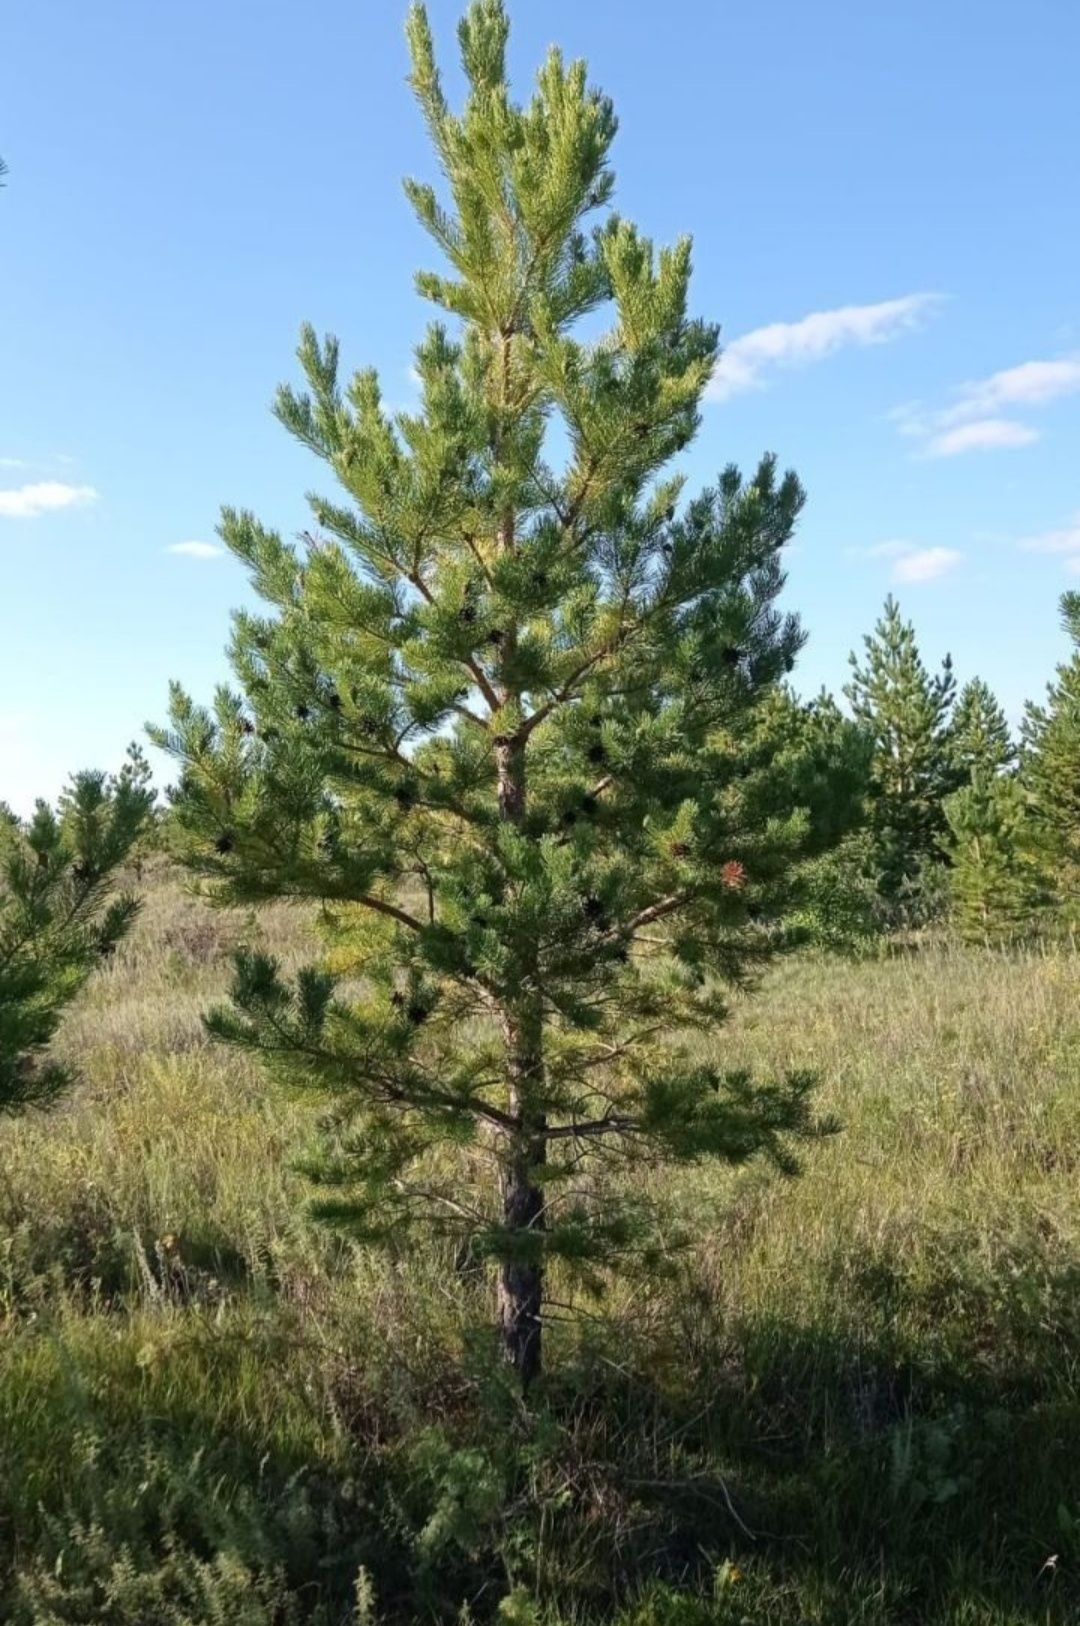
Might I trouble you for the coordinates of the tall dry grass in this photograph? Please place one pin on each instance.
(852, 1397)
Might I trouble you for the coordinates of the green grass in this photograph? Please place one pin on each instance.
(852, 1399)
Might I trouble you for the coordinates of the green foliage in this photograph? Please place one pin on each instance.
(996, 883)
(98, 1581)
(839, 908)
(1050, 770)
(820, 761)
(153, 1478)
(906, 712)
(59, 916)
(496, 720)
(979, 737)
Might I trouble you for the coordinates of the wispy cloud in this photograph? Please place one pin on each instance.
(911, 563)
(42, 497)
(195, 550)
(1031, 384)
(1064, 539)
(13, 463)
(925, 564)
(747, 361)
(983, 435)
(975, 420)
(882, 550)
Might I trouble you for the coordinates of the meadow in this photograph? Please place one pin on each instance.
(848, 1397)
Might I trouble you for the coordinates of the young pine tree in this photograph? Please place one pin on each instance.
(820, 760)
(979, 739)
(995, 882)
(1050, 770)
(60, 916)
(492, 722)
(906, 712)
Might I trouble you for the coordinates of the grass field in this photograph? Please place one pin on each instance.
(852, 1399)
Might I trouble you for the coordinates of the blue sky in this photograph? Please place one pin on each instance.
(886, 217)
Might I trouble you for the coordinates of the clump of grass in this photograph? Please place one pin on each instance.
(852, 1397)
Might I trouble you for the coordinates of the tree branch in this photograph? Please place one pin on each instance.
(655, 911)
(612, 1125)
(479, 675)
(381, 907)
(423, 1194)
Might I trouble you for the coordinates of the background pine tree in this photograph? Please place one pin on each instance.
(497, 720)
(820, 760)
(59, 916)
(1050, 771)
(906, 713)
(979, 737)
(996, 882)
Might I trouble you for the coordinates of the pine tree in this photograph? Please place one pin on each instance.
(493, 723)
(1050, 769)
(979, 738)
(60, 916)
(906, 712)
(995, 889)
(820, 761)
(995, 882)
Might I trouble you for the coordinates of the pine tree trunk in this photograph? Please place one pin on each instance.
(521, 1274)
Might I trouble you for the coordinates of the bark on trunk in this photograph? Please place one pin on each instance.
(521, 1280)
(521, 1274)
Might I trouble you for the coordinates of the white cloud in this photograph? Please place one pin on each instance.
(925, 564)
(888, 550)
(27, 502)
(1065, 539)
(1031, 384)
(911, 563)
(195, 550)
(746, 360)
(975, 422)
(13, 463)
(983, 435)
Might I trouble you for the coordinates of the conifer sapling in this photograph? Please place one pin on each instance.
(906, 712)
(1050, 770)
(995, 882)
(60, 916)
(979, 739)
(493, 721)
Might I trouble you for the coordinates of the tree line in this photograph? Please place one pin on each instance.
(960, 823)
